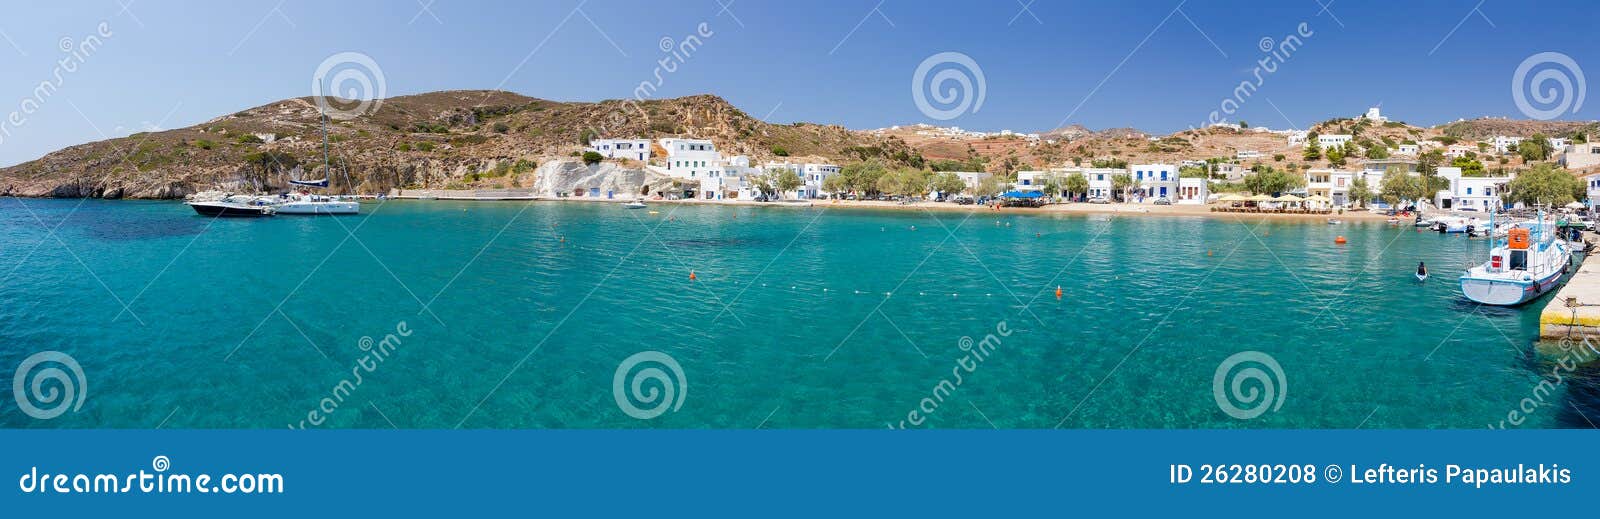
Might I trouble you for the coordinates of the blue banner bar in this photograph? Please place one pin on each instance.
(793, 473)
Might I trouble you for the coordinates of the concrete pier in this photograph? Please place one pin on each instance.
(1575, 310)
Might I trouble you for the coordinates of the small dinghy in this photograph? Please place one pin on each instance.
(1333, 221)
(636, 204)
(1422, 272)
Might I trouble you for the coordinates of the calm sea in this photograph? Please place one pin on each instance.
(519, 315)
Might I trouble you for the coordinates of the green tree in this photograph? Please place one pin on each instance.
(1360, 193)
(592, 158)
(1120, 183)
(1377, 152)
(990, 186)
(948, 184)
(1267, 180)
(1534, 148)
(1336, 156)
(862, 177)
(1398, 186)
(1051, 187)
(1469, 167)
(1312, 151)
(1547, 185)
(837, 185)
(1077, 184)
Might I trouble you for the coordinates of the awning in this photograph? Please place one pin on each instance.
(1021, 194)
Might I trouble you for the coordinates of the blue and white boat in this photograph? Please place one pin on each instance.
(1529, 264)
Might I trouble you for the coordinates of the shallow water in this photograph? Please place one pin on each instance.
(795, 318)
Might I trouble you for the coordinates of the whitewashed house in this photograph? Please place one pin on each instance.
(1469, 193)
(1193, 190)
(1331, 140)
(1580, 155)
(811, 177)
(1331, 183)
(1593, 181)
(1504, 144)
(1152, 181)
(972, 178)
(1247, 154)
(633, 149)
(1297, 138)
(1459, 150)
(1407, 149)
(1374, 115)
(1100, 185)
(692, 159)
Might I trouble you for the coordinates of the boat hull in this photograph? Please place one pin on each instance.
(1507, 292)
(230, 210)
(319, 208)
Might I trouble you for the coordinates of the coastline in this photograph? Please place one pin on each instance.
(1075, 208)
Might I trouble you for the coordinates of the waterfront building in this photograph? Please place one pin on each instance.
(1469, 193)
(692, 159)
(1193, 190)
(1330, 183)
(812, 175)
(1152, 181)
(633, 149)
(1593, 183)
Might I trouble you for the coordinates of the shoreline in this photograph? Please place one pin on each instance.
(1075, 208)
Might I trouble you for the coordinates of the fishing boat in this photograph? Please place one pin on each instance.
(233, 206)
(1528, 264)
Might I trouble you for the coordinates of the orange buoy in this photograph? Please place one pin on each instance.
(691, 275)
(1208, 252)
(1339, 240)
(1058, 291)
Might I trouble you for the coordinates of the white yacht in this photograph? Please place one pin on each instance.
(304, 202)
(1528, 264)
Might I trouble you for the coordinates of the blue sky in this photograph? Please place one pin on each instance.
(1155, 65)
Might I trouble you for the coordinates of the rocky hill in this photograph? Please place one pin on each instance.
(1489, 127)
(453, 139)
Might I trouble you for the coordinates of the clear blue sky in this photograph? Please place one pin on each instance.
(1155, 65)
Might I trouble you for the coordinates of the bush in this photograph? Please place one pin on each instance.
(425, 146)
(404, 146)
(585, 136)
(501, 128)
(592, 158)
(779, 151)
(204, 144)
(248, 138)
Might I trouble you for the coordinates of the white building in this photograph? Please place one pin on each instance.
(1459, 150)
(1593, 181)
(1580, 155)
(1297, 138)
(1375, 116)
(691, 158)
(1328, 141)
(1193, 190)
(1331, 183)
(1469, 193)
(811, 177)
(1100, 185)
(1408, 149)
(972, 178)
(1504, 144)
(1557, 143)
(1152, 181)
(1247, 154)
(634, 149)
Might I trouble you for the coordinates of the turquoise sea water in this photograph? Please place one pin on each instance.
(795, 318)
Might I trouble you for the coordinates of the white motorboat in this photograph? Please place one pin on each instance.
(636, 204)
(233, 205)
(1529, 264)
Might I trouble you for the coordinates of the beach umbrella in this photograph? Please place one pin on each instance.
(1288, 198)
(1233, 197)
(1260, 198)
(1576, 205)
